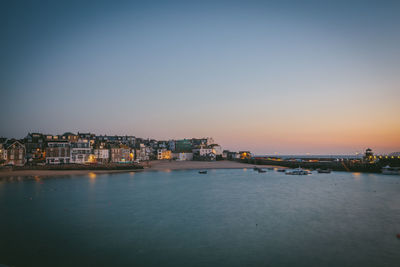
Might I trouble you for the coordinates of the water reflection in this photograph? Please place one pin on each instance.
(92, 179)
(99, 211)
(15, 179)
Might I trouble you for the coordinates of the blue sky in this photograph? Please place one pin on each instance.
(280, 76)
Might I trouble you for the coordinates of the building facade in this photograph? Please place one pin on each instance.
(80, 151)
(58, 152)
(217, 150)
(184, 145)
(101, 155)
(121, 154)
(164, 154)
(15, 153)
(143, 153)
(35, 148)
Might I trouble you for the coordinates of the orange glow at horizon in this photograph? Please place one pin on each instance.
(315, 135)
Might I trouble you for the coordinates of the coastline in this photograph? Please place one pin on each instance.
(52, 173)
(162, 165)
(156, 165)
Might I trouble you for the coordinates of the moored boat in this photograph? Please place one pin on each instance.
(261, 171)
(324, 170)
(203, 172)
(391, 170)
(281, 170)
(298, 171)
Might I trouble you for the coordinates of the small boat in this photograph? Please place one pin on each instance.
(203, 172)
(270, 168)
(298, 171)
(261, 171)
(281, 170)
(324, 170)
(391, 170)
(256, 168)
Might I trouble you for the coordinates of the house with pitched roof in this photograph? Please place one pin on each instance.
(15, 153)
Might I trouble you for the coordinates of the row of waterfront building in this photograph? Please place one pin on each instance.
(87, 148)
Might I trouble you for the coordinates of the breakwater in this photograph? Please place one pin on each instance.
(342, 165)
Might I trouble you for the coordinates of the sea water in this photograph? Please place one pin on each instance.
(182, 218)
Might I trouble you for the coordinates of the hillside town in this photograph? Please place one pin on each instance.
(88, 148)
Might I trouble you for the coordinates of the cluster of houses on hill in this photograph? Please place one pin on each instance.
(87, 148)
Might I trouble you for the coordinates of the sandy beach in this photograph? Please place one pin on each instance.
(150, 166)
(160, 165)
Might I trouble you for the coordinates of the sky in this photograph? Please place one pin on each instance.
(286, 77)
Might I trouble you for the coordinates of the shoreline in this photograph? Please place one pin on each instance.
(162, 165)
(157, 165)
(55, 173)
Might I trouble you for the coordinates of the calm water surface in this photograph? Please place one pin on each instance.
(182, 218)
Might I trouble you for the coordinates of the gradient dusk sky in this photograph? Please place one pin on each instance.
(292, 77)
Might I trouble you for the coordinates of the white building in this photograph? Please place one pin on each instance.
(80, 151)
(102, 155)
(203, 152)
(143, 153)
(235, 155)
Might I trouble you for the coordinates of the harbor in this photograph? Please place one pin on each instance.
(236, 217)
(200, 133)
(370, 163)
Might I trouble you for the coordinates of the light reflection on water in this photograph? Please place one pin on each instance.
(182, 218)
